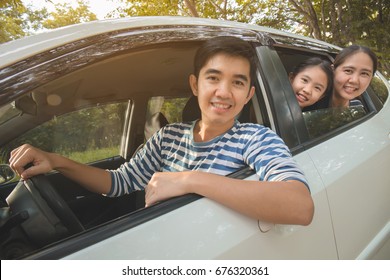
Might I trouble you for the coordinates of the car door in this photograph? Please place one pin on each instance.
(350, 154)
(284, 117)
(353, 164)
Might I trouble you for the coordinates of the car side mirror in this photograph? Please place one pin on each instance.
(6, 173)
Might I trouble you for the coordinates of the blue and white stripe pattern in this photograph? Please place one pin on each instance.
(172, 149)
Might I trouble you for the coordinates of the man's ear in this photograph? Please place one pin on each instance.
(193, 84)
(250, 94)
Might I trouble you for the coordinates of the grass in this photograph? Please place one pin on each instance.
(92, 155)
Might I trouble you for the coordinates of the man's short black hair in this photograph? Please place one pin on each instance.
(229, 45)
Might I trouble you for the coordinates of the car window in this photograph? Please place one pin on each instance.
(323, 121)
(85, 135)
(160, 111)
(170, 107)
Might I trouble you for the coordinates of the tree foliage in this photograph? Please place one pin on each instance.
(65, 15)
(345, 22)
(17, 20)
(341, 22)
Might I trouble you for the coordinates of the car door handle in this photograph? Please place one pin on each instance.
(264, 226)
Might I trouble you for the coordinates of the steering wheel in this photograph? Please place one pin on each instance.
(49, 217)
(56, 203)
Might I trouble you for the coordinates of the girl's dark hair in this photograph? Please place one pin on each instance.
(326, 67)
(229, 45)
(351, 50)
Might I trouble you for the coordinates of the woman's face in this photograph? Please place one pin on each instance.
(352, 77)
(309, 85)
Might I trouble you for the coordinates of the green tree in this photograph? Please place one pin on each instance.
(18, 20)
(340, 22)
(65, 15)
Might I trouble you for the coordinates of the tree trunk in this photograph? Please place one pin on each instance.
(191, 5)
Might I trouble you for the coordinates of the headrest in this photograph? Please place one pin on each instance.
(191, 110)
(154, 123)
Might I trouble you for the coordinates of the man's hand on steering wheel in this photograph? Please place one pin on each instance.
(36, 160)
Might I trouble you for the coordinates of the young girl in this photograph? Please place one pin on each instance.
(354, 68)
(311, 81)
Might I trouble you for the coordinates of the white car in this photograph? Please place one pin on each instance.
(92, 91)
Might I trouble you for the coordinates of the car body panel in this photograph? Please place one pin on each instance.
(224, 234)
(361, 150)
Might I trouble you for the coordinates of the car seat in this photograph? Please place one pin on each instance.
(152, 125)
(191, 110)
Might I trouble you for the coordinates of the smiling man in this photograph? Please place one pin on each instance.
(194, 157)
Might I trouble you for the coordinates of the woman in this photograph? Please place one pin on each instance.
(354, 68)
(311, 81)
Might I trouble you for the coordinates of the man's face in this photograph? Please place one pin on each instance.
(223, 88)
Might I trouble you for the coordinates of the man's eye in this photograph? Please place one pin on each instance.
(239, 83)
(212, 78)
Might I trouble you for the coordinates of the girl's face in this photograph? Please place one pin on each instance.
(352, 77)
(309, 85)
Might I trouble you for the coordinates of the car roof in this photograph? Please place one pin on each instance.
(17, 50)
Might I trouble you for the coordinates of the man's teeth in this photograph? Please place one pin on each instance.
(221, 106)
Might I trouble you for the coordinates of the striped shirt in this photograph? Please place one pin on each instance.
(173, 149)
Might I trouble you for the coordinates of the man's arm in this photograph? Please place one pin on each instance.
(92, 178)
(284, 202)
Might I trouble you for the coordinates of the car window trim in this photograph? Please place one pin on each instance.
(334, 133)
(283, 111)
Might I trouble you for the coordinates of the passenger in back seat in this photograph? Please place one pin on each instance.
(312, 80)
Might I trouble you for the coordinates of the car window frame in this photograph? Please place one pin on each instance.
(305, 141)
(68, 114)
(282, 109)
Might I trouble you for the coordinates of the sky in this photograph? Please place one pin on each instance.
(98, 7)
